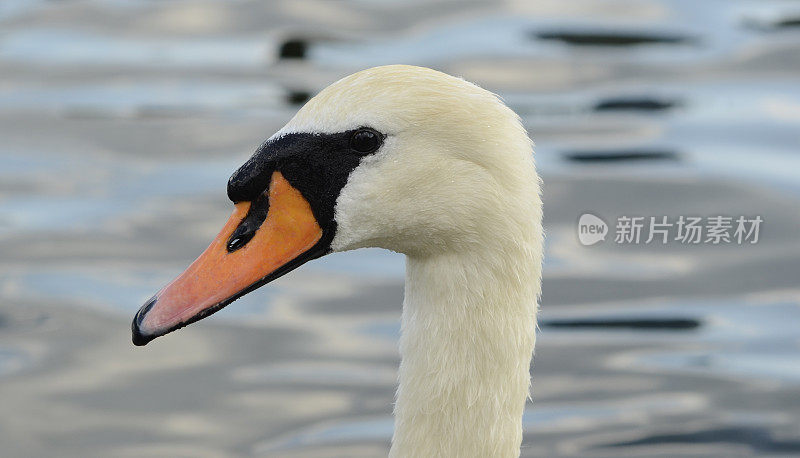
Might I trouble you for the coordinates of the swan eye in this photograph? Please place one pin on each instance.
(366, 141)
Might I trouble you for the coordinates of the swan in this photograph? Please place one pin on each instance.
(422, 163)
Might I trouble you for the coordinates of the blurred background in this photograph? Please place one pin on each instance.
(121, 120)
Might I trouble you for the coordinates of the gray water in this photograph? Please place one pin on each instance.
(121, 120)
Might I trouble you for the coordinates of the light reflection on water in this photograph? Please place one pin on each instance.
(119, 137)
(54, 48)
(11, 361)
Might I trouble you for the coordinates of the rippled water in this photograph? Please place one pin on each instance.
(121, 121)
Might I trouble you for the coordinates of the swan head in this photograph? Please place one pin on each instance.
(397, 157)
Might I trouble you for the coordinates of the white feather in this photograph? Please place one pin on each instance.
(454, 187)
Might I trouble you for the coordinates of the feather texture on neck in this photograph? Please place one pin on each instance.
(468, 328)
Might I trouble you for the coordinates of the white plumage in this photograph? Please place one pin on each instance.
(454, 187)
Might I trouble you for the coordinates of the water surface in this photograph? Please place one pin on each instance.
(122, 120)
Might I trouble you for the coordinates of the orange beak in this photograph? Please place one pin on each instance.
(220, 276)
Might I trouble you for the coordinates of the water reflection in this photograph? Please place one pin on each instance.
(122, 120)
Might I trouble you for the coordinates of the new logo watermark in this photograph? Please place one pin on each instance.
(687, 230)
(591, 229)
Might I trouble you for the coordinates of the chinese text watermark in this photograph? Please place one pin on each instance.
(687, 230)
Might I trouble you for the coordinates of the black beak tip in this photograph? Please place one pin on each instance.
(139, 339)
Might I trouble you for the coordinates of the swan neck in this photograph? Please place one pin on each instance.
(468, 331)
